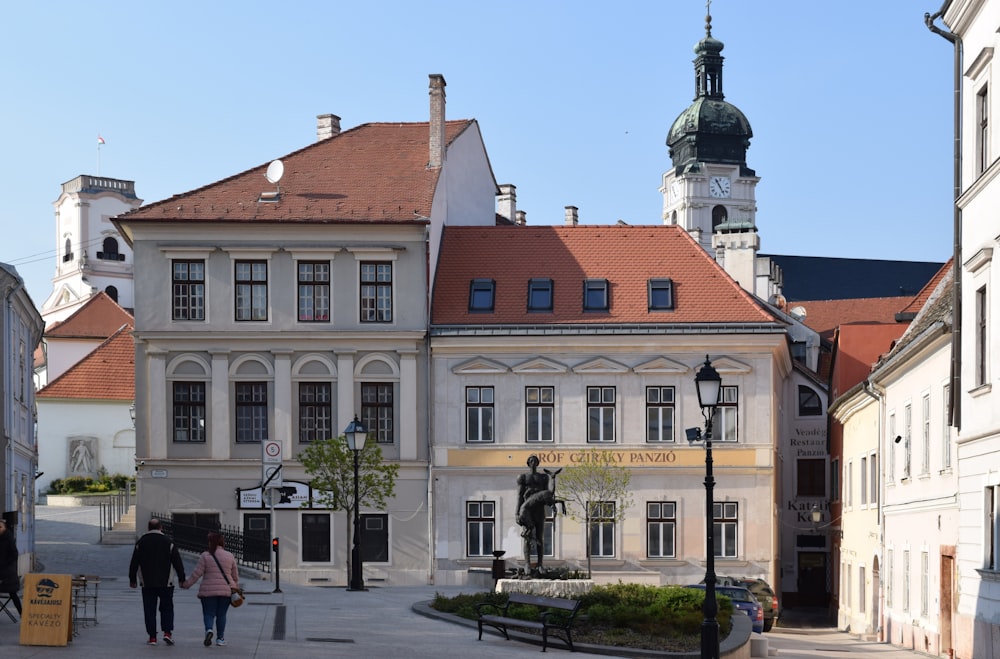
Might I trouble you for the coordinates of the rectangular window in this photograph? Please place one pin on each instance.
(479, 414)
(251, 411)
(315, 411)
(982, 130)
(661, 529)
(981, 334)
(873, 480)
(661, 294)
(595, 295)
(925, 461)
(539, 408)
(251, 290)
(316, 538)
(945, 429)
(891, 448)
(725, 428)
(906, 579)
(481, 294)
(374, 538)
(835, 479)
(864, 481)
(480, 520)
(659, 414)
(377, 410)
(376, 292)
(602, 529)
(314, 291)
(907, 429)
(600, 414)
(811, 473)
(726, 514)
(849, 484)
(549, 532)
(861, 589)
(539, 295)
(888, 578)
(188, 290)
(992, 532)
(924, 581)
(189, 411)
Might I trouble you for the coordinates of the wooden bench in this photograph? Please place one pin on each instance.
(558, 614)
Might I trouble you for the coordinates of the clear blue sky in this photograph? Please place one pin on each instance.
(850, 104)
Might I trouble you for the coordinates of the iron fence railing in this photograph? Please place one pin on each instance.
(250, 550)
(114, 507)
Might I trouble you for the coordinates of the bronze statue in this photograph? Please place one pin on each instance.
(533, 496)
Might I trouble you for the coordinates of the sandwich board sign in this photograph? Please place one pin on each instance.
(47, 618)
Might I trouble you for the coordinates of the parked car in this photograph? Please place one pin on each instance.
(743, 600)
(767, 598)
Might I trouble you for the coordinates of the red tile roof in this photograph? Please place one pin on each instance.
(858, 347)
(107, 373)
(373, 173)
(98, 318)
(627, 256)
(824, 316)
(920, 299)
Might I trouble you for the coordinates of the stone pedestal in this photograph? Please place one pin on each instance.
(570, 588)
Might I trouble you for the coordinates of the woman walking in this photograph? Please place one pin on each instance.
(217, 570)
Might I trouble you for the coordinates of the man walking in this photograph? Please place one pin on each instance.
(155, 560)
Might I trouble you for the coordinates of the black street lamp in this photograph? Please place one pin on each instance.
(709, 385)
(356, 435)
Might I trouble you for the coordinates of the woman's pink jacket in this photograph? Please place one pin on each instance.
(212, 581)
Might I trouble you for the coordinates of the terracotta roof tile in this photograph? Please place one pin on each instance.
(921, 298)
(373, 173)
(824, 316)
(627, 256)
(98, 318)
(107, 373)
(858, 346)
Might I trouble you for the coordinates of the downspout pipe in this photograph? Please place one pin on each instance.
(872, 390)
(955, 388)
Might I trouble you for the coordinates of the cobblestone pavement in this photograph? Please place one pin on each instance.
(302, 621)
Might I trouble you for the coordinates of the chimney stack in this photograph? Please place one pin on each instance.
(520, 218)
(437, 95)
(507, 201)
(327, 126)
(572, 216)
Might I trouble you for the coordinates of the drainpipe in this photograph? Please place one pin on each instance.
(878, 395)
(954, 390)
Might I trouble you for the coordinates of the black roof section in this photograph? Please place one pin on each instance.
(828, 278)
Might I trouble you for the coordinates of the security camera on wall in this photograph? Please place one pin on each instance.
(898, 439)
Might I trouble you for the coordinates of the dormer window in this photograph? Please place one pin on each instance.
(595, 295)
(481, 295)
(539, 295)
(661, 294)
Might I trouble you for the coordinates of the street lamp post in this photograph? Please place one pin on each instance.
(709, 385)
(356, 435)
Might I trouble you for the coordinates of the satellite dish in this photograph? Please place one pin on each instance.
(275, 171)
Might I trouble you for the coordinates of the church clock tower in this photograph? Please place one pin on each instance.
(710, 191)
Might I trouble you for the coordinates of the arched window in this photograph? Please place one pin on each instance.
(809, 402)
(112, 292)
(719, 215)
(109, 251)
(67, 251)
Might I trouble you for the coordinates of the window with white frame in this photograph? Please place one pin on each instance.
(891, 448)
(549, 532)
(992, 532)
(862, 590)
(725, 426)
(251, 290)
(661, 529)
(189, 411)
(539, 410)
(480, 521)
(889, 577)
(188, 289)
(873, 479)
(849, 484)
(602, 529)
(907, 439)
(924, 581)
(945, 429)
(726, 522)
(925, 461)
(906, 579)
(982, 333)
(982, 130)
(376, 292)
(864, 480)
(377, 410)
(251, 411)
(479, 414)
(314, 291)
(659, 414)
(600, 414)
(315, 411)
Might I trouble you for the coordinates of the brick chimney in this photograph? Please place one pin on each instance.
(437, 86)
(520, 218)
(507, 201)
(327, 126)
(572, 216)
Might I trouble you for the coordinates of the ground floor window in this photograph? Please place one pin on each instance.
(316, 538)
(602, 529)
(480, 518)
(661, 526)
(726, 515)
(375, 538)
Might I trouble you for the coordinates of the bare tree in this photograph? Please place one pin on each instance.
(590, 486)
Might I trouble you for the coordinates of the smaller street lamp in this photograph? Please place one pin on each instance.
(708, 382)
(356, 434)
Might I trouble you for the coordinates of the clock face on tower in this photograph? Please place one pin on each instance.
(718, 186)
(675, 190)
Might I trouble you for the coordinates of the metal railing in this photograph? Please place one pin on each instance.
(250, 550)
(114, 508)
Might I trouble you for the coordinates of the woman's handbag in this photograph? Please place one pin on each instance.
(236, 598)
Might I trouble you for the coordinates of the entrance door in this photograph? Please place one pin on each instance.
(811, 581)
(947, 601)
(257, 537)
(375, 538)
(876, 617)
